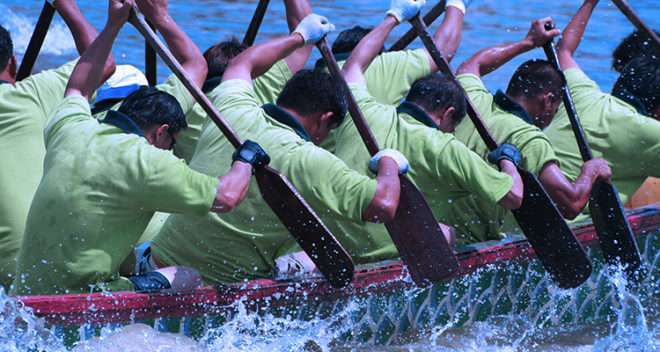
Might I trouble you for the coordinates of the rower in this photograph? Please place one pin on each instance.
(266, 87)
(517, 117)
(442, 167)
(24, 108)
(103, 181)
(243, 245)
(621, 127)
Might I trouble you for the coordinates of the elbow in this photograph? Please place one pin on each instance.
(380, 210)
(109, 68)
(571, 211)
(513, 200)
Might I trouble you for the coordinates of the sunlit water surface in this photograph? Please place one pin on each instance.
(635, 327)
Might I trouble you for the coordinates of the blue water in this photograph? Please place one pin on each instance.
(488, 22)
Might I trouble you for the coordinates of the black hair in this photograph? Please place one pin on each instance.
(314, 91)
(638, 83)
(6, 48)
(149, 106)
(535, 77)
(348, 39)
(218, 56)
(635, 44)
(437, 91)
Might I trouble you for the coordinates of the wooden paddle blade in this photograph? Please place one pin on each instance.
(37, 40)
(419, 238)
(614, 233)
(553, 241)
(304, 225)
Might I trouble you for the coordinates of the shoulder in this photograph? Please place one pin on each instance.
(71, 109)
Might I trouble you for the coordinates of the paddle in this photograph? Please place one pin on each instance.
(37, 40)
(315, 239)
(637, 21)
(546, 230)
(257, 18)
(150, 64)
(414, 230)
(616, 238)
(411, 34)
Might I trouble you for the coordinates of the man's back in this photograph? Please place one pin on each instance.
(24, 109)
(629, 141)
(100, 188)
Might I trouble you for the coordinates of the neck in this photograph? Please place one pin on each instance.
(304, 122)
(5, 76)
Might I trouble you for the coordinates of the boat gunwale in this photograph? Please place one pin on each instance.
(118, 307)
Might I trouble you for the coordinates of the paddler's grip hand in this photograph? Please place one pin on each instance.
(395, 155)
(405, 10)
(542, 31)
(252, 153)
(505, 151)
(314, 28)
(118, 12)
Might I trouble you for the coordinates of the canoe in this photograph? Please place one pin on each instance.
(382, 305)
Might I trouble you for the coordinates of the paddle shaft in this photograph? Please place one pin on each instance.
(561, 254)
(150, 63)
(257, 18)
(414, 230)
(37, 40)
(411, 34)
(298, 217)
(637, 21)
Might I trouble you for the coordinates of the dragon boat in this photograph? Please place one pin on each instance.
(382, 305)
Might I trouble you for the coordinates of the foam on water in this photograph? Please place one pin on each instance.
(58, 40)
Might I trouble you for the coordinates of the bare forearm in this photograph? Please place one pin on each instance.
(296, 10)
(388, 191)
(513, 199)
(574, 31)
(258, 59)
(490, 59)
(448, 35)
(87, 76)
(368, 48)
(182, 47)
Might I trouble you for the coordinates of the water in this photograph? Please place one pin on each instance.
(635, 324)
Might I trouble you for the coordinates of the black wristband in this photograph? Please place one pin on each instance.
(251, 152)
(505, 151)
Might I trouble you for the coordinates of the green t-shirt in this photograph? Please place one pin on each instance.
(505, 127)
(389, 77)
(443, 168)
(266, 87)
(629, 141)
(99, 190)
(24, 109)
(242, 245)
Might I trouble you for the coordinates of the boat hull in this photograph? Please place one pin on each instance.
(382, 306)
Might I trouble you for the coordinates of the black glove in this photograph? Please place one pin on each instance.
(251, 153)
(505, 151)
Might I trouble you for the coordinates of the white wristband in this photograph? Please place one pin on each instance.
(396, 155)
(459, 4)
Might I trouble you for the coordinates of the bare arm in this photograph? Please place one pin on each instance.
(573, 33)
(233, 187)
(489, 59)
(365, 52)
(258, 59)
(82, 31)
(448, 35)
(296, 10)
(513, 199)
(388, 190)
(181, 46)
(571, 198)
(87, 75)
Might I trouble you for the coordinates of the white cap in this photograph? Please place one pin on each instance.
(126, 75)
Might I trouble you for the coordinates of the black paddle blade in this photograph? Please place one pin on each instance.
(553, 241)
(616, 238)
(419, 238)
(302, 222)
